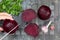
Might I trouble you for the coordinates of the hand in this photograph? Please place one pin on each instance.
(4, 16)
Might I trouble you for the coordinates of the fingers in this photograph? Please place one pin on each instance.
(4, 16)
(1, 29)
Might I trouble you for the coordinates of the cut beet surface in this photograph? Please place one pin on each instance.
(8, 25)
(28, 15)
(44, 12)
(32, 29)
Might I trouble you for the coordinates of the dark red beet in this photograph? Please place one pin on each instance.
(28, 15)
(8, 25)
(44, 12)
(32, 29)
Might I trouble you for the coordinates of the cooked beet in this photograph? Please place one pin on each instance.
(44, 12)
(28, 15)
(32, 29)
(8, 25)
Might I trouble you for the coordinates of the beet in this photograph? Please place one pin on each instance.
(44, 12)
(32, 29)
(8, 25)
(28, 15)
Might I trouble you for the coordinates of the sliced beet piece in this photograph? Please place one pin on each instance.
(8, 25)
(44, 12)
(28, 15)
(32, 29)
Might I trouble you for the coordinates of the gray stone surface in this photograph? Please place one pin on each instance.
(35, 4)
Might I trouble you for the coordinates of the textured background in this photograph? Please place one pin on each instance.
(35, 4)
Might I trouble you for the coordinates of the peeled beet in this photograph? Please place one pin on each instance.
(28, 15)
(32, 29)
(8, 25)
(44, 12)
